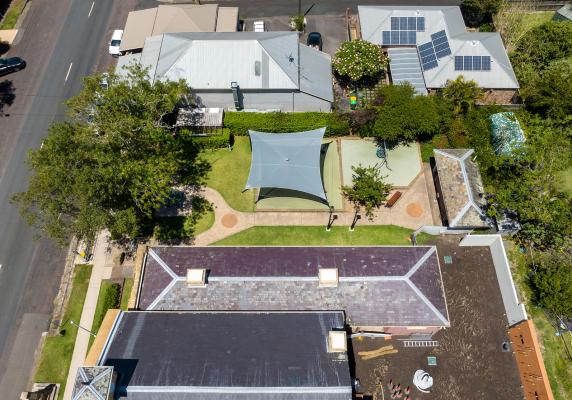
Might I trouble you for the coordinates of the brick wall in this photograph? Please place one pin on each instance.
(529, 360)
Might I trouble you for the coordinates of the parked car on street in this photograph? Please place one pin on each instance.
(314, 40)
(12, 64)
(115, 42)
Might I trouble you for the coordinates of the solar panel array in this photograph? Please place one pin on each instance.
(403, 30)
(472, 63)
(408, 24)
(434, 50)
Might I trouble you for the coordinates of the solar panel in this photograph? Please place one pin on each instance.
(468, 63)
(402, 23)
(420, 24)
(477, 63)
(386, 37)
(394, 23)
(411, 37)
(425, 47)
(440, 40)
(394, 37)
(411, 23)
(437, 35)
(486, 61)
(446, 51)
(429, 65)
(458, 63)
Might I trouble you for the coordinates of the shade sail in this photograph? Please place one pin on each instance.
(287, 161)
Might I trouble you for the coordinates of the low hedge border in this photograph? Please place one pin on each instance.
(240, 122)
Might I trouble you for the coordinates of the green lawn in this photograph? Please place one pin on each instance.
(317, 236)
(229, 174)
(103, 304)
(127, 286)
(537, 18)
(566, 180)
(57, 351)
(12, 15)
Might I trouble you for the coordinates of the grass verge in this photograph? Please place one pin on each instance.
(57, 351)
(317, 236)
(12, 15)
(109, 294)
(127, 286)
(229, 174)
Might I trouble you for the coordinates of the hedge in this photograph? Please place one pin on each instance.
(214, 141)
(240, 122)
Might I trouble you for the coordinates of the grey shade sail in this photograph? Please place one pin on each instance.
(287, 161)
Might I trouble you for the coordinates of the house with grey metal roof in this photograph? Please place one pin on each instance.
(396, 290)
(242, 70)
(460, 189)
(564, 13)
(431, 45)
(228, 356)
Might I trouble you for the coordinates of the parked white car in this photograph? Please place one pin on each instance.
(115, 42)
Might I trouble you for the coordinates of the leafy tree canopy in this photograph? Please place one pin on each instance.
(544, 44)
(479, 12)
(553, 282)
(113, 162)
(462, 94)
(404, 117)
(358, 59)
(369, 189)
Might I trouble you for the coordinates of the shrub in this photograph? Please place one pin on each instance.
(553, 283)
(544, 44)
(359, 59)
(240, 122)
(213, 142)
(112, 296)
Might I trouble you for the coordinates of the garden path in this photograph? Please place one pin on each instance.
(412, 211)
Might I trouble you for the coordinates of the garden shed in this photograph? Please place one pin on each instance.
(506, 133)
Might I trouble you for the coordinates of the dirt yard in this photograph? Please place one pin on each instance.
(471, 363)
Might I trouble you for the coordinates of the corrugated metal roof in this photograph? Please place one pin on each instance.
(267, 60)
(125, 61)
(376, 19)
(405, 67)
(565, 11)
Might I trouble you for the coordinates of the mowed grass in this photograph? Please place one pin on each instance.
(566, 181)
(230, 172)
(57, 351)
(12, 15)
(127, 287)
(317, 236)
(100, 309)
(558, 366)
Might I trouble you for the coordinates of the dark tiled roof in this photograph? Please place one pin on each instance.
(406, 280)
(224, 353)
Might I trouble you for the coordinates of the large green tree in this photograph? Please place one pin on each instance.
(552, 282)
(369, 190)
(113, 162)
(462, 94)
(358, 59)
(479, 12)
(544, 44)
(404, 117)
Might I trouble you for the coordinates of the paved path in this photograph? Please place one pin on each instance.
(411, 211)
(98, 272)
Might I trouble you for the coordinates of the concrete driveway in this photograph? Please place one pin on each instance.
(332, 27)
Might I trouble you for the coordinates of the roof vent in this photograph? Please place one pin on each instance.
(328, 277)
(337, 342)
(197, 277)
(257, 68)
(474, 42)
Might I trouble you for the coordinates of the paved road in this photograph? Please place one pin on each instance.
(62, 41)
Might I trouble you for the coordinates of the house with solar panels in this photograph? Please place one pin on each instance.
(429, 45)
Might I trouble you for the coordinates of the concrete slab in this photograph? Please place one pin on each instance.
(403, 161)
(332, 28)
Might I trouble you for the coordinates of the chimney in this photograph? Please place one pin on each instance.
(337, 342)
(328, 277)
(197, 277)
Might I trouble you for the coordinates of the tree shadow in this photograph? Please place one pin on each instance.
(4, 47)
(7, 95)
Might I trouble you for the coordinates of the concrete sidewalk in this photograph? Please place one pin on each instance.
(98, 272)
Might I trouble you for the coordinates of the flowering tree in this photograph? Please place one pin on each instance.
(359, 59)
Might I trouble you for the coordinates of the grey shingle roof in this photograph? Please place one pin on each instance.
(407, 280)
(462, 188)
(263, 355)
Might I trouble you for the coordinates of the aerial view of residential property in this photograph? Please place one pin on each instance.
(285, 199)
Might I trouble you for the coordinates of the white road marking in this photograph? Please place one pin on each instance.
(69, 69)
(91, 9)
